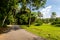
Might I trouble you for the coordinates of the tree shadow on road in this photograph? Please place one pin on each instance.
(6, 30)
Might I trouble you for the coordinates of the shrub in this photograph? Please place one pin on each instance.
(53, 23)
(58, 25)
(56, 22)
(38, 22)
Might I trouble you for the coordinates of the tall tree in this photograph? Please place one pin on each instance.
(6, 6)
(32, 4)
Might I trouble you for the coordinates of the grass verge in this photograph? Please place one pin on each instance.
(46, 31)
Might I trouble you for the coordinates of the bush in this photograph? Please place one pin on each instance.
(53, 23)
(58, 25)
(38, 22)
(56, 22)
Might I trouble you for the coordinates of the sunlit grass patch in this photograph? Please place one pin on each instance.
(46, 31)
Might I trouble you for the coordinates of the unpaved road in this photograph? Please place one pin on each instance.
(20, 34)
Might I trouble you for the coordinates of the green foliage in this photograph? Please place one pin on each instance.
(40, 14)
(33, 3)
(57, 19)
(10, 6)
(56, 22)
(33, 18)
(53, 16)
(23, 18)
(53, 23)
(38, 22)
(5, 7)
(46, 20)
(58, 25)
(53, 13)
(11, 19)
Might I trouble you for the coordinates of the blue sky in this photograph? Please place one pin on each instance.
(51, 6)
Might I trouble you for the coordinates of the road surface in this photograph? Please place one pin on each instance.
(20, 34)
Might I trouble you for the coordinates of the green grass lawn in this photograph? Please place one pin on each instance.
(46, 31)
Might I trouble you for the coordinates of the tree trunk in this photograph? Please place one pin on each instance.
(4, 20)
(29, 17)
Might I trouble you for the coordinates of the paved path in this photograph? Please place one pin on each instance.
(20, 34)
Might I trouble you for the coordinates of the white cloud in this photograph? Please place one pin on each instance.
(46, 10)
(56, 0)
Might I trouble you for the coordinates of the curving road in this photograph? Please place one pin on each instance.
(20, 34)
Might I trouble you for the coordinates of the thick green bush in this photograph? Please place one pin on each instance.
(38, 22)
(53, 23)
(56, 23)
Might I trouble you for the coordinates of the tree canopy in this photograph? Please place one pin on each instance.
(33, 3)
(6, 7)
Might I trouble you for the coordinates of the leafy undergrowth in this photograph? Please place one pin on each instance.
(46, 31)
